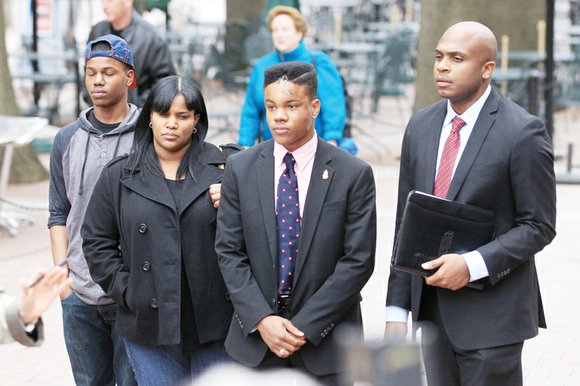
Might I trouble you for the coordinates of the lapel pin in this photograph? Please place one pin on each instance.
(325, 174)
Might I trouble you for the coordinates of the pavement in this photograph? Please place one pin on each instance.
(552, 358)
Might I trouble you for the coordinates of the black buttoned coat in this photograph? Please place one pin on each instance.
(133, 240)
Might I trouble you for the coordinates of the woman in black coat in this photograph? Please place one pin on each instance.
(149, 235)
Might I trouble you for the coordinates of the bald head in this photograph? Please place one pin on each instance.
(476, 34)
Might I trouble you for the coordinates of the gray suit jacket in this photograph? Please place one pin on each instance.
(506, 167)
(336, 257)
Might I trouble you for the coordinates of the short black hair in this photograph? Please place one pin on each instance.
(101, 46)
(301, 73)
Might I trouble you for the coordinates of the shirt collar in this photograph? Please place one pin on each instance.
(301, 155)
(470, 115)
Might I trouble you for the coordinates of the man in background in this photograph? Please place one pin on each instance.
(151, 52)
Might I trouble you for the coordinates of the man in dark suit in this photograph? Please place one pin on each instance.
(286, 311)
(498, 157)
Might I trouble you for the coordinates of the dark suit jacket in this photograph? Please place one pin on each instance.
(506, 167)
(336, 257)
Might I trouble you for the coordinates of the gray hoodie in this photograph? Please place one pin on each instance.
(78, 155)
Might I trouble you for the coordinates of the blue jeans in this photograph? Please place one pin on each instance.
(169, 365)
(97, 354)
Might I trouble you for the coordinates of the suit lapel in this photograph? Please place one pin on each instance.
(201, 177)
(320, 180)
(265, 181)
(432, 137)
(203, 172)
(151, 187)
(482, 126)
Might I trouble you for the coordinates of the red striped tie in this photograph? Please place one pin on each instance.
(450, 150)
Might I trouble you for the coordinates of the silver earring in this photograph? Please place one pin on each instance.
(194, 129)
(150, 125)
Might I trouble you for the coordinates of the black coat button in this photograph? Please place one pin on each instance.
(142, 228)
(154, 303)
(228, 296)
(146, 266)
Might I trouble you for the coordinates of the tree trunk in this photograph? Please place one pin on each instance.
(515, 18)
(25, 164)
(8, 105)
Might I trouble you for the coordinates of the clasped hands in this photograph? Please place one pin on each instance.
(281, 336)
(452, 272)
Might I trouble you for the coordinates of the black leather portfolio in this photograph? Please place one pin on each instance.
(433, 226)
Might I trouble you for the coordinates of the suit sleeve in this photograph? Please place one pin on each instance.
(534, 194)
(12, 327)
(101, 238)
(249, 302)
(399, 285)
(342, 289)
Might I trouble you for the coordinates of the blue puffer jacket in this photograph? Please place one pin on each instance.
(330, 122)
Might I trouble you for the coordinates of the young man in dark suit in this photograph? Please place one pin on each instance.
(296, 235)
(476, 147)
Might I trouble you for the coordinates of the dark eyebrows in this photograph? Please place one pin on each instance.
(451, 53)
(285, 102)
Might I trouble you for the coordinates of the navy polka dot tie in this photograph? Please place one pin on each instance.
(288, 225)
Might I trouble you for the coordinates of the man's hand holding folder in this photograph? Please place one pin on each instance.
(451, 272)
(433, 234)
